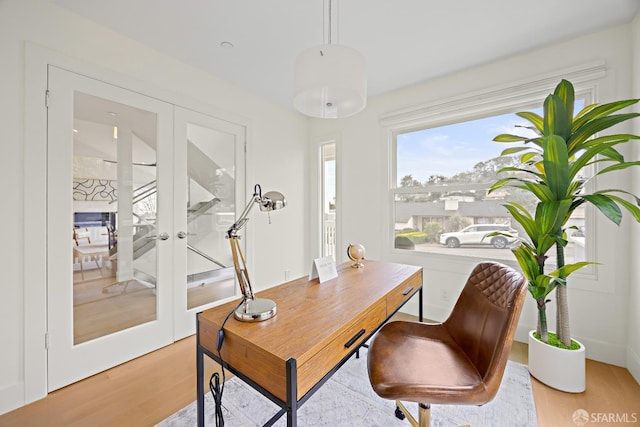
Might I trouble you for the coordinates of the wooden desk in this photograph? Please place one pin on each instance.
(316, 329)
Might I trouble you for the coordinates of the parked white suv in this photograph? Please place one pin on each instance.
(476, 235)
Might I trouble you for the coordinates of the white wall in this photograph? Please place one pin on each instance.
(271, 132)
(633, 353)
(598, 306)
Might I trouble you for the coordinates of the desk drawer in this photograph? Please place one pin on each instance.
(326, 359)
(402, 293)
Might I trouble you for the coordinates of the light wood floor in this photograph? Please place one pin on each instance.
(146, 390)
(102, 306)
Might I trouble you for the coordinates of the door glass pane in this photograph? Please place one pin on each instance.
(114, 205)
(210, 212)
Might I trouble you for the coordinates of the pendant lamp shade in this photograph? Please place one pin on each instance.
(330, 82)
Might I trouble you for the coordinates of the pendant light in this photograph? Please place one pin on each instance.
(330, 79)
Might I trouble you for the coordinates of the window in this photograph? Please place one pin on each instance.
(440, 189)
(328, 196)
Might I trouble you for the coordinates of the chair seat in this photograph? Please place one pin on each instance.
(420, 362)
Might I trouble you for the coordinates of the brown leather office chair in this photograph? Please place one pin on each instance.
(458, 362)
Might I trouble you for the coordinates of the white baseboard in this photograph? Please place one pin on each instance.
(11, 397)
(633, 364)
(522, 333)
(595, 350)
(604, 352)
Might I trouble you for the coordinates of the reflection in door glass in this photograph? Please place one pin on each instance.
(210, 212)
(114, 205)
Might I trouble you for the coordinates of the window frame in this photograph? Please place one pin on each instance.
(316, 179)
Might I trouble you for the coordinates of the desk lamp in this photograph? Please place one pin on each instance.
(252, 309)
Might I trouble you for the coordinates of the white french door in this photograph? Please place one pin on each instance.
(109, 273)
(209, 167)
(138, 202)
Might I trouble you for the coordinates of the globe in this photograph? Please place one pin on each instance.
(355, 252)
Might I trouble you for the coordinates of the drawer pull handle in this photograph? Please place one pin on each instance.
(355, 338)
(406, 291)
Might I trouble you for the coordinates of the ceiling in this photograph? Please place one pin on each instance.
(403, 41)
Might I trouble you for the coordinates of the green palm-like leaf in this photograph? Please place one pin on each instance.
(590, 128)
(556, 166)
(618, 166)
(528, 157)
(513, 150)
(556, 120)
(551, 215)
(574, 148)
(606, 205)
(523, 217)
(541, 229)
(506, 182)
(567, 269)
(535, 119)
(540, 190)
(564, 91)
(633, 209)
(610, 153)
(579, 164)
(594, 111)
(522, 170)
(540, 284)
(505, 137)
(581, 114)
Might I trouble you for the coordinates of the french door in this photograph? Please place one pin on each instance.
(139, 192)
(209, 169)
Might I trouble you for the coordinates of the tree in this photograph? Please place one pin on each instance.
(408, 181)
(556, 164)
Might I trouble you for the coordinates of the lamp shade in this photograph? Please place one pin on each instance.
(272, 200)
(330, 82)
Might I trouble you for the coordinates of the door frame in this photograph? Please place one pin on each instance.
(37, 60)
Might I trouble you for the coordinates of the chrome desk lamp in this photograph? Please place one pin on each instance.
(252, 309)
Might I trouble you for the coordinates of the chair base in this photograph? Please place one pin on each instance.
(424, 414)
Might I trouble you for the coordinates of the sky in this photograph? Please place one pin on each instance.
(447, 150)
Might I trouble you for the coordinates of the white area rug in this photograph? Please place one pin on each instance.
(347, 399)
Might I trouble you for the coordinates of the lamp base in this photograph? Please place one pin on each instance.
(255, 310)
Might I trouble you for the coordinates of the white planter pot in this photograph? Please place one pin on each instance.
(556, 367)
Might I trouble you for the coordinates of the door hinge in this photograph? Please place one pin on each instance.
(46, 98)
(46, 341)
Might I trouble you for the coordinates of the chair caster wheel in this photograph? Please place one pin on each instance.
(399, 414)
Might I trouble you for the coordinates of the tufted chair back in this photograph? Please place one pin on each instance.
(484, 318)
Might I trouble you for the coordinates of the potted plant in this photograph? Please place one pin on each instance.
(554, 169)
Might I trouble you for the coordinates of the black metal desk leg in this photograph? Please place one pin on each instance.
(420, 305)
(292, 393)
(200, 384)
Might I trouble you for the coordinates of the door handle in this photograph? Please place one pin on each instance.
(161, 236)
(181, 234)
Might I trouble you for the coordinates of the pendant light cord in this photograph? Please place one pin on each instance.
(327, 33)
(330, 20)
